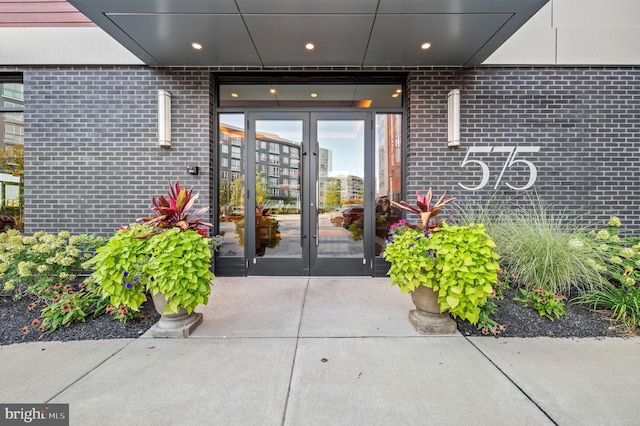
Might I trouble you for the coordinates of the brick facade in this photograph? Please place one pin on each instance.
(92, 160)
(584, 121)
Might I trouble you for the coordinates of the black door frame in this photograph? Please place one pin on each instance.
(309, 263)
(239, 266)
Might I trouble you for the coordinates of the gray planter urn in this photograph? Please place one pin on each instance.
(179, 325)
(427, 318)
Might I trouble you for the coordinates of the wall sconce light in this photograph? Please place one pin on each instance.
(164, 118)
(453, 99)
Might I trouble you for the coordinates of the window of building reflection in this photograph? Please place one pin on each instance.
(388, 170)
(278, 198)
(231, 184)
(341, 187)
(11, 154)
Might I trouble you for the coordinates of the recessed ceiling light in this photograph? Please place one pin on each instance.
(314, 95)
(196, 45)
(272, 91)
(309, 46)
(395, 95)
(398, 90)
(426, 45)
(234, 95)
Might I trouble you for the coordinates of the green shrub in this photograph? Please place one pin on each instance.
(68, 307)
(547, 250)
(30, 264)
(623, 302)
(549, 305)
(44, 267)
(620, 262)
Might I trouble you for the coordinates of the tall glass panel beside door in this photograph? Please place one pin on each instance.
(388, 181)
(231, 190)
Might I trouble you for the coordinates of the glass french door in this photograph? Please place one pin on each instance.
(307, 189)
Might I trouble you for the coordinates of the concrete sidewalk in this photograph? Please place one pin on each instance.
(326, 351)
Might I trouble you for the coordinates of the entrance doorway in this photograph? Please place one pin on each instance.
(309, 194)
(306, 191)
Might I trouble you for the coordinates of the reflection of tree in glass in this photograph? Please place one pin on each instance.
(12, 159)
(224, 195)
(332, 195)
(12, 163)
(237, 192)
(288, 199)
(262, 192)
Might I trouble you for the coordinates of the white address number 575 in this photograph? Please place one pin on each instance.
(512, 152)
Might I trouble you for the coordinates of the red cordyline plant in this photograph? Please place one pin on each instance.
(424, 209)
(173, 211)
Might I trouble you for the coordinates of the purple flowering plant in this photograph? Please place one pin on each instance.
(131, 280)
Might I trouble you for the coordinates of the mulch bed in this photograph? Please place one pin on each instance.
(14, 315)
(524, 322)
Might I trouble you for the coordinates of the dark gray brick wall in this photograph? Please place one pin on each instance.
(584, 120)
(92, 158)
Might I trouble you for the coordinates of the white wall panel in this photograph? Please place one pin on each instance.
(576, 32)
(528, 46)
(544, 17)
(61, 46)
(596, 13)
(599, 46)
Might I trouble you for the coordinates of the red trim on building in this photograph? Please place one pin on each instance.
(41, 13)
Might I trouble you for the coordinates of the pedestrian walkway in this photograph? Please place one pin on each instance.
(326, 351)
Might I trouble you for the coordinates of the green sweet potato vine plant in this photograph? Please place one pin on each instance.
(180, 265)
(169, 254)
(458, 262)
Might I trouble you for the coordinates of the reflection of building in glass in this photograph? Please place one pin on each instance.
(11, 116)
(388, 159)
(277, 163)
(11, 142)
(325, 166)
(345, 187)
(351, 188)
(325, 163)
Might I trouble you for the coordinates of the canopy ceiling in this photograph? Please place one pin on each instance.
(273, 33)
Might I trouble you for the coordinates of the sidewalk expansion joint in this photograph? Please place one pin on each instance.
(90, 371)
(295, 353)
(513, 382)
